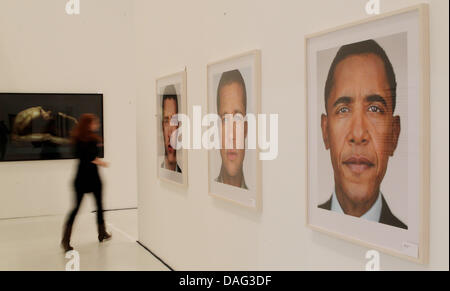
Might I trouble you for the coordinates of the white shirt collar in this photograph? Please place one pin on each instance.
(373, 214)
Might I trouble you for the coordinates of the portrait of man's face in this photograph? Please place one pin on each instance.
(367, 123)
(232, 109)
(233, 98)
(170, 108)
(360, 129)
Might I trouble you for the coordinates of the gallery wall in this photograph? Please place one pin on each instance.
(189, 229)
(42, 49)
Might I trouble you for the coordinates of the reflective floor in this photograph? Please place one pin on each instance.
(33, 244)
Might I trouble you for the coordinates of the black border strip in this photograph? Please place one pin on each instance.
(119, 209)
(159, 259)
(27, 217)
(54, 215)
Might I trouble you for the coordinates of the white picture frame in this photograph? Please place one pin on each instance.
(408, 28)
(174, 84)
(249, 66)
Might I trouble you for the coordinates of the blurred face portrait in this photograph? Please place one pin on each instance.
(169, 110)
(232, 111)
(360, 129)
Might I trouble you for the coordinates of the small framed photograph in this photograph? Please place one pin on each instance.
(170, 101)
(233, 106)
(368, 132)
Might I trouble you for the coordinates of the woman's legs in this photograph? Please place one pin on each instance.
(99, 201)
(102, 234)
(69, 223)
(73, 213)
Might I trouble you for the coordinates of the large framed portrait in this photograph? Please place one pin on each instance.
(37, 126)
(368, 132)
(233, 105)
(171, 159)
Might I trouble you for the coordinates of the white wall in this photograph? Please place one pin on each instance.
(44, 50)
(190, 230)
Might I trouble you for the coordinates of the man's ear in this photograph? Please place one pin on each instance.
(324, 125)
(396, 128)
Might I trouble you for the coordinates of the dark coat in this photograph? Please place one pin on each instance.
(387, 217)
(87, 179)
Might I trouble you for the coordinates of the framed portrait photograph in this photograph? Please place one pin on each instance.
(171, 160)
(233, 105)
(368, 132)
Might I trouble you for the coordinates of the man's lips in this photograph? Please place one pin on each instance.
(170, 149)
(358, 164)
(231, 155)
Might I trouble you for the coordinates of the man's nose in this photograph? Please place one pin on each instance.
(229, 130)
(358, 134)
(171, 129)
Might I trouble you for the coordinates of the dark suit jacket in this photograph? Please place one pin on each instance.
(387, 217)
(177, 169)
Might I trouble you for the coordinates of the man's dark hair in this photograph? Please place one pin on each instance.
(169, 93)
(228, 78)
(364, 47)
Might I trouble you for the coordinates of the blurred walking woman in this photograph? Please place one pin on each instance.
(87, 180)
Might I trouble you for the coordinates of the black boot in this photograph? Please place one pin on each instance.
(102, 234)
(65, 242)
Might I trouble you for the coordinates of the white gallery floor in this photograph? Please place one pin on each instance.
(33, 244)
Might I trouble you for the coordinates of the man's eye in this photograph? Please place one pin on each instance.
(375, 109)
(343, 110)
